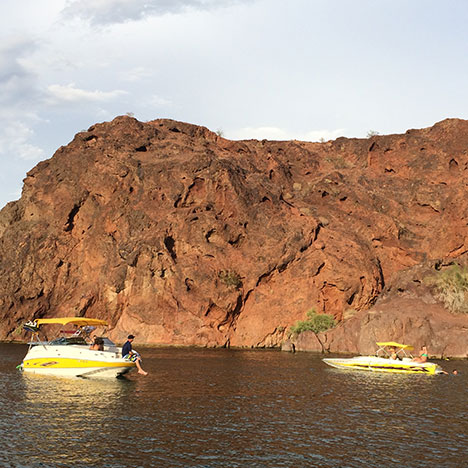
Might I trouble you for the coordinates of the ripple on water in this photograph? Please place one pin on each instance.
(222, 408)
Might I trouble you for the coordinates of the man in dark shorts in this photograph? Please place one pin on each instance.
(128, 353)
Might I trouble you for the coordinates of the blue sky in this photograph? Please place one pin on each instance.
(275, 69)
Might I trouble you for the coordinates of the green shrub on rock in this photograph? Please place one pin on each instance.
(315, 323)
(451, 287)
(230, 278)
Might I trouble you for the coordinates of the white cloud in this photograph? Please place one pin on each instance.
(159, 101)
(29, 152)
(135, 74)
(275, 133)
(317, 135)
(119, 11)
(14, 142)
(17, 83)
(69, 93)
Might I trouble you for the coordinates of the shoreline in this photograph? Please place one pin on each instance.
(257, 349)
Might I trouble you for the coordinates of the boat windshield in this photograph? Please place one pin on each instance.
(107, 341)
(68, 340)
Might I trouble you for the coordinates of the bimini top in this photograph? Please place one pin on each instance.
(396, 345)
(80, 321)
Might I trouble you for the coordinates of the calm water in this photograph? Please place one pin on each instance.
(223, 408)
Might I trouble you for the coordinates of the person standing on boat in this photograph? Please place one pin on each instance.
(128, 353)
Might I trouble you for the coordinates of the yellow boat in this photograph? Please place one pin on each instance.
(382, 361)
(69, 354)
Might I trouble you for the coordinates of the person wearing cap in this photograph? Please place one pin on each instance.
(128, 353)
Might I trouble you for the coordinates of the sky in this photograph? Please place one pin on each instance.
(274, 69)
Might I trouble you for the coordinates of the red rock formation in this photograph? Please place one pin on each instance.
(406, 313)
(183, 237)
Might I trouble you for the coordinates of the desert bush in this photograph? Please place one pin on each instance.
(348, 313)
(230, 278)
(315, 323)
(338, 162)
(451, 287)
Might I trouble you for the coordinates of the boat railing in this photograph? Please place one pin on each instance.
(401, 354)
(80, 336)
(37, 342)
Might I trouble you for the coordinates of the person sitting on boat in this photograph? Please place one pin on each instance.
(98, 344)
(423, 355)
(128, 353)
(393, 353)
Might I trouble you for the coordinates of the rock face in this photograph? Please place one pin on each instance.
(182, 237)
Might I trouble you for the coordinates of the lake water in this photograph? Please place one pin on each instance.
(232, 408)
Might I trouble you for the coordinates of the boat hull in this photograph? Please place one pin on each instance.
(376, 364)
(75, 361)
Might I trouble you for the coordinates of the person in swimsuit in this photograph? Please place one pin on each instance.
(423, 355)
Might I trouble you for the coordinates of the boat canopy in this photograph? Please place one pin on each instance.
(396, 345)
(80, 321)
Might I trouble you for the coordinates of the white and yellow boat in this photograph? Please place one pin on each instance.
(383, 362)
(70, 354)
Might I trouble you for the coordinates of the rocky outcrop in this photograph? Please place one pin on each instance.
(404, 319)
(182, 237)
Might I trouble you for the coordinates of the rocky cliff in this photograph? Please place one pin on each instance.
(182, 237)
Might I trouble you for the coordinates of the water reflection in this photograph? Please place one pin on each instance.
(37, 387)
(66, 413)
(224, 408)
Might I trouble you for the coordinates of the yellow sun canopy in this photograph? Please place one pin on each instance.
(79, 321)
(396, 345)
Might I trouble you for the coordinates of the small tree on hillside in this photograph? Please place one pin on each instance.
(315, 323)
